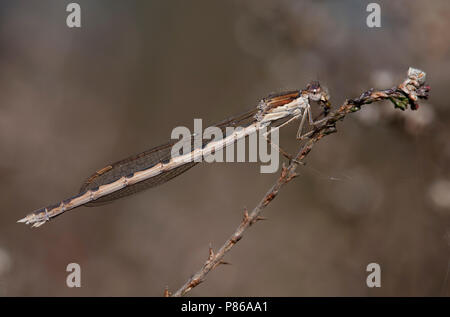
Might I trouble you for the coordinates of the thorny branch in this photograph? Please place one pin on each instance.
(405, 94)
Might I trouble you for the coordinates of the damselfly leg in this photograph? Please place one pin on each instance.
(315, 93)
(276, 146)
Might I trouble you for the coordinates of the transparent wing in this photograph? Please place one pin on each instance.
(146, 160)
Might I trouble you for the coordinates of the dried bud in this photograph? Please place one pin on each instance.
(417, 75)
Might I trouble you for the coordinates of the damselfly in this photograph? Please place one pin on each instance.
(156, 166)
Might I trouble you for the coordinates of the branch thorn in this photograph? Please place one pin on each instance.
(167, 293)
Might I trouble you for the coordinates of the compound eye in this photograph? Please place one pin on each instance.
(313, 86)
(314, 90)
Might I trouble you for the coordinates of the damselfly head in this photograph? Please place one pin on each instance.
(317, 93)
(314, 90)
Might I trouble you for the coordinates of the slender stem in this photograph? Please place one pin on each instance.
(406, 93)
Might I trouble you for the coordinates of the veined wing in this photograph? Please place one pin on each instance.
(146, 160)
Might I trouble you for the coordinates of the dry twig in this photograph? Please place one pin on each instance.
(401, 96)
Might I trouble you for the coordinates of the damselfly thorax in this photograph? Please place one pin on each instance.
(157, 165)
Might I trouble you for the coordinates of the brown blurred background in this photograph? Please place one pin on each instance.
(74, 100)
